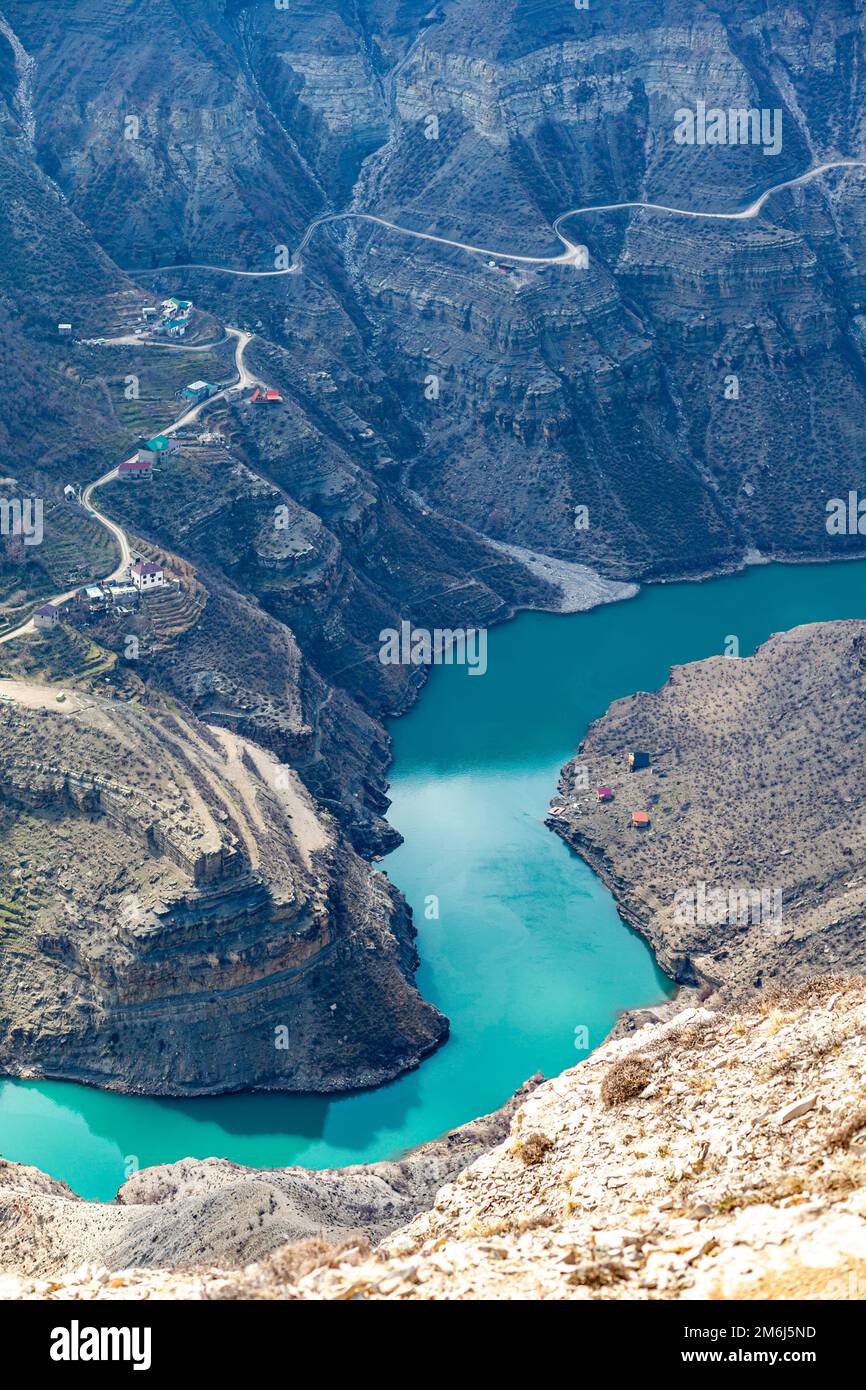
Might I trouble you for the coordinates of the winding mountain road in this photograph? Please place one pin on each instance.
(572, 255)
(244, 379)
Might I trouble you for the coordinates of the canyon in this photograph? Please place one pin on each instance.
(606, 390)
(719, 1155)
(187, 905)
(713, 1148)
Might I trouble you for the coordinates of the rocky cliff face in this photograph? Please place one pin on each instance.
(747, 872)
(194, 1213)
(606, 388)
(719, 1155)
(306, 557)
(689, 395)
(179, 919)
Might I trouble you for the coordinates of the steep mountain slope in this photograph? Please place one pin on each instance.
(720, 1155)
(747, 874)
(587, 414)
(178, 917)
(605, 388)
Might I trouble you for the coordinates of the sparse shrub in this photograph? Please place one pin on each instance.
(625, 1079)
(289, 1263)
(814, 991)
(532, 1147)
(689, 1036)
(792, 1186)
(598, 1275)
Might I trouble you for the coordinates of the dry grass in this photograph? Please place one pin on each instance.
(531, 1147)
(733, 1201)
(809, 993)
(625, 1079)
(598, 1275)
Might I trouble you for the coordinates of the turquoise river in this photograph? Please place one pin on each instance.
(528, 948)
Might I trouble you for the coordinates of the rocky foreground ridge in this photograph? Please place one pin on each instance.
(750, 868)
(715, 1155)
(178, 918)
(215, 1212)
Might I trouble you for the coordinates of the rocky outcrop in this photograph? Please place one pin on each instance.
(196, 1213)
(286, 649)
(713, 1156)
(748, 869)
(178, 918)
(719, 1155)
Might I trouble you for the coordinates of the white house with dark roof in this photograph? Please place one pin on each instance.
(46, 617)
(147, 576)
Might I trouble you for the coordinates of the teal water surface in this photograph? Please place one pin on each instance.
(527, 950)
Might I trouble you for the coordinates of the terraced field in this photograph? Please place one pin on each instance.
(60, 655)
(160, 375)
(74, 550)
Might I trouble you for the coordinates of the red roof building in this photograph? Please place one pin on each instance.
(136, 467)
(146, 575)
(640, 819)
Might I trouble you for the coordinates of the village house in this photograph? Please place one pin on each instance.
(123, 594)
(640, 819)
(160, 444)
(65, 330)
(637, 759)
(46, 617)
(198, 391)
(139, 467)
(147, 576)
(604, 793)
(92, 595)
